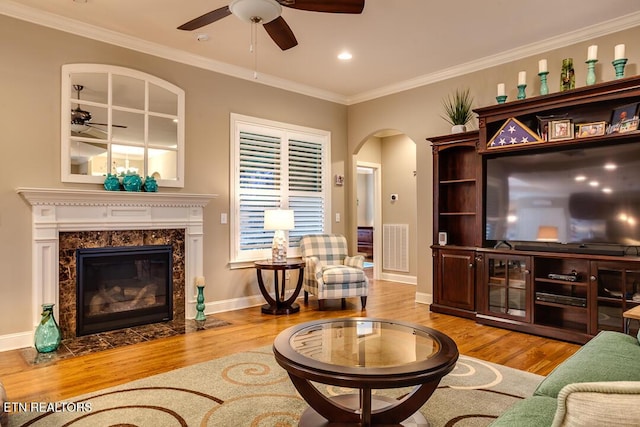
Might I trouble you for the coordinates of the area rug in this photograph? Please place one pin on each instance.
(251, 389)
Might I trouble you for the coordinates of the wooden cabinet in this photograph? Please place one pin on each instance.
(455, 274)
(506, 287)
(365, 242)
(616, 288)
(561, 293)
(456, 200)
(568, 292)
(456, 196)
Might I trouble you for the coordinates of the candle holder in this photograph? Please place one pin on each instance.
(501, 99)
(521, 94)
(591, 71)
(544, 89)
(619, 64)
(200, 317)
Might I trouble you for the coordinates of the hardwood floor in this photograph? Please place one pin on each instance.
(250, 329)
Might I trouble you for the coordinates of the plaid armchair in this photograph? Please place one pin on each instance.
(329, 272)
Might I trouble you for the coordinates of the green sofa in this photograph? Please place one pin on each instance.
(598, 385)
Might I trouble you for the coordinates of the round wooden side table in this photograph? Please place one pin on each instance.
(280, 305)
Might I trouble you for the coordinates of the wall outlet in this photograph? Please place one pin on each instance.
(223, 218)
(337, 217)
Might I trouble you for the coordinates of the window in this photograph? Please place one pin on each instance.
(118, 120)
(276, 165)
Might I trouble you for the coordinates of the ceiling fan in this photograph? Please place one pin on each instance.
(81, 119)
(267, 12)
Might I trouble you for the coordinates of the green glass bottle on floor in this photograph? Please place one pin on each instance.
(48, 335)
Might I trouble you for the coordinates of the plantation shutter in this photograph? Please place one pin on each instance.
(260, 184)
(306, 196)
(276, 166)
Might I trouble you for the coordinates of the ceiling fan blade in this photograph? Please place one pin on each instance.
(328, 6)
(281, 33)
(206, 19)
(104, 124)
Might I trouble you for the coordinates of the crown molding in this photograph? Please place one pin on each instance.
(583, 34)
(25, 13)
(81, 29)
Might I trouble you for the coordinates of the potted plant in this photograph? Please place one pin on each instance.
(458, 110)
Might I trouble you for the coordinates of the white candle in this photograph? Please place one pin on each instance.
(592, 52)
(542, 66)
(522, 78)
(501, 91)
(619, 51)
(199, 281)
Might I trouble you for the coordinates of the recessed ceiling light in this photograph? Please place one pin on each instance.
(594, 183)
(345, 56)
(202, 37)
(610, 166)
(607, 190)
(580, 178)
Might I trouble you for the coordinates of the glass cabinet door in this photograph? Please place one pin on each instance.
(507, 286)
(618, 290)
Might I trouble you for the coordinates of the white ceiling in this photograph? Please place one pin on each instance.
(396, 44)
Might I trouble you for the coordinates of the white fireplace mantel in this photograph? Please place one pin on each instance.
(55, 210)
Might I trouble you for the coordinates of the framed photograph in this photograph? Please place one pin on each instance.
(629, 125)
(622, 114)
(543, 124)
(586, 130)
(560, 130)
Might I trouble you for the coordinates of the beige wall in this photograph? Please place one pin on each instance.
(399, 162)
(30, 78)
(417, 113)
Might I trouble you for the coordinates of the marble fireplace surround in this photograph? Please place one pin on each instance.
(66, 210)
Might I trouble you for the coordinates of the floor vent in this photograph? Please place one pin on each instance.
(395, 247)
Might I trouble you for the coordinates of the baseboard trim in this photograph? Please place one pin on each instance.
(16, 341)
(424, 298)
(409, 280)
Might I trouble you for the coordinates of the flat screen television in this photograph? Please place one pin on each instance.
(576, 196)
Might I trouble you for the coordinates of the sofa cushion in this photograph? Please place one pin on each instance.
(612, 403)
(534, 411)
(609, 356)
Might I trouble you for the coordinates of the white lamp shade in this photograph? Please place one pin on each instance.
(278, 219)
(247, 10)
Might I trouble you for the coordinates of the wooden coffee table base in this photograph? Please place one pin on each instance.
(363, 409)
(310, 418)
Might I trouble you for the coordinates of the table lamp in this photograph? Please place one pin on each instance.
(279, 220)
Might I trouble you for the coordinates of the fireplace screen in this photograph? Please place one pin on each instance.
(119, 287)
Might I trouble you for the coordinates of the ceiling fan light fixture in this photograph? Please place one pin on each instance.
(78, 128)
(249, 10)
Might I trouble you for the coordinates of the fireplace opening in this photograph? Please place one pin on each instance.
(119, 287)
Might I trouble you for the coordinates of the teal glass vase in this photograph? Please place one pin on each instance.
(150, 184)
(48, 334)
(132, 182)
(111, 183)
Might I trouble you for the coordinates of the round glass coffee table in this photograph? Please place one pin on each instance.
(365, 354)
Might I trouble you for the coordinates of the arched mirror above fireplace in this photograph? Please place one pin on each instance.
(118, 120)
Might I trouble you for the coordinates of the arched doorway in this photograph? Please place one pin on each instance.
(385, 204)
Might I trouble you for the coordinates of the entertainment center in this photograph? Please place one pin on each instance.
(542, 233)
